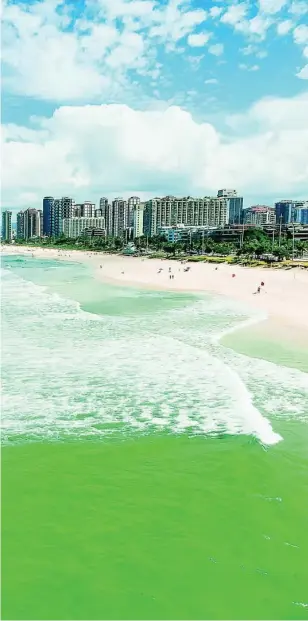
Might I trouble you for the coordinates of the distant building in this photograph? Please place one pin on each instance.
(138, 219)
(132, 203)
(171, 211)
(94, 232)
(119, 217)
(75, 227)
(29, 224)
(6, 226)
(290, 211)
(260, 215)
(226, 193)
(106, 210)
(20, 229)
(235, 205)
(180, 232)
(48, 202)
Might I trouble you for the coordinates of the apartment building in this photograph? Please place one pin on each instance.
(170, 211)
(260, 215)
(29, 223)
(75, 227)
(6, 226)
(138, 220)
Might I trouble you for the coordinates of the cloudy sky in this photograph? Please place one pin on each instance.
(149, 97)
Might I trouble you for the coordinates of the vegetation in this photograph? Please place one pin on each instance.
(254, 248)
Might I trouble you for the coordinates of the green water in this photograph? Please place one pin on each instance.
(164, 522)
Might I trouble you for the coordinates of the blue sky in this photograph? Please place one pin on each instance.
(106, 97)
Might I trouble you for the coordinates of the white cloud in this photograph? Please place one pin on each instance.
(245, 67)
(253, 50)
(87, 151)
(300, 34)
(217, 49)
(234, 14)
(198, 40)
(305, 52)
(48, 54)
(256, 27)
(299, 8)
(284, 27)
(211, 81)
(271, 6)
(303, 73)
(215, 11)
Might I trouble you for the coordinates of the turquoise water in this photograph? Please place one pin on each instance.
(147, 470)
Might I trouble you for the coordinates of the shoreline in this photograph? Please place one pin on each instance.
(283, 299)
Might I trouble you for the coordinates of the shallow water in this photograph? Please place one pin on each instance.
(137, 470)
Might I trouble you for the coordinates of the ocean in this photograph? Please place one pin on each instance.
(149, 470)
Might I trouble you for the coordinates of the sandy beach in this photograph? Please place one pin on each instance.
(283, 298)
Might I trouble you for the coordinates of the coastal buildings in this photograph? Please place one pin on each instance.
(132, 203)
(75, 227)
(290, 211)
(260, 215)
(29, 224)
(6, 226)
(119, 217)
(235, 205)
(170, 211)
(138, 220)
(48, 202)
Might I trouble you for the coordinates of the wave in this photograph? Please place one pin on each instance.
(67, 372)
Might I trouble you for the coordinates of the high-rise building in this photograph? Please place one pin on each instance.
(56, 217)
(29, 223)
(138, 219)
(170, 211)
(87, 210)
(47, 215)
(226, 193)
(7, 226)
(132, 202)
(235, 205)
(67, 205)
(119, 217)
(289, 211)
(20, 233)
(75, 227)
(260, 215)
(107, 211)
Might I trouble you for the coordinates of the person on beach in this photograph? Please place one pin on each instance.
(258, 291)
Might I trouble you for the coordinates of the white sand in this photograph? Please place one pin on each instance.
(284, 296)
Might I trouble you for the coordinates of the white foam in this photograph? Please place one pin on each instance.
(66, 371)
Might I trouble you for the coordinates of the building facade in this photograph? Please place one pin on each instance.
(170, 211)
(260, 215)
(29, 223)
(48, 202)
(119, 217)
(290, 211)
(106, 210)
(235, 205)
(75, 227)
(132, 203)
(138, 220)
(6, 226)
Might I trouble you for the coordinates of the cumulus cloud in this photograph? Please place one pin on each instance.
(217, 49)
(284, 27)
(88, 151)
(50, 54)
(198, 40)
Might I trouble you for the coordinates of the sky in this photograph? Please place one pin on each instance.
(154, 97)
